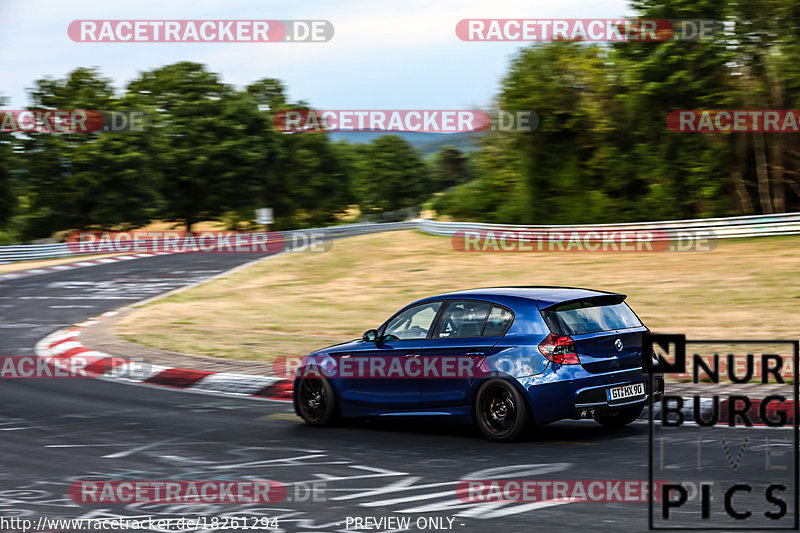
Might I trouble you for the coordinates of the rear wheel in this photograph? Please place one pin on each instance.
(316, 401)
(500, 411)
(620, 417)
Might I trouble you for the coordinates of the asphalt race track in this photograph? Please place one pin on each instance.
(57, 431)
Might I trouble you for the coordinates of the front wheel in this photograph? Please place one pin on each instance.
(316, 401)
(619, 418)
(500, 411)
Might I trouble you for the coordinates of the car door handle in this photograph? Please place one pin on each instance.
(474, 353)
(412, 354)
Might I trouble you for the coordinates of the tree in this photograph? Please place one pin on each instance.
(84, 179)
(269, 93)
(83, 88)
(766, 76)
(602, 152)
(563, 180)
(315, 186)
(393, 176)
(752, 64)
(115, 178)
(213, 142)
(451, 167)
(686, 175)
(8, 200)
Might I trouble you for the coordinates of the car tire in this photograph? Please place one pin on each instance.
(619, 418)
(316, 402)
(500, 411)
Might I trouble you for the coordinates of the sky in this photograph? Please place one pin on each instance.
(401, 54)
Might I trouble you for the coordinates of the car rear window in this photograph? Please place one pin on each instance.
(470, 318)
(498, 322)
(579, 318)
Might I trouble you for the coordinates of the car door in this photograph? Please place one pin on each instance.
(403, 336)
(465, 334)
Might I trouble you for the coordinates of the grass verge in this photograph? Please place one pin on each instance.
(295, 303)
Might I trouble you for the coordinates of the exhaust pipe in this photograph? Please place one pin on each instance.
(587, 413)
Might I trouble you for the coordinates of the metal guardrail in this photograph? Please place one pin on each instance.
(722, 228)
(26, 252)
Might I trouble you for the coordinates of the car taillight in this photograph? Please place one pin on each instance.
(559, 349)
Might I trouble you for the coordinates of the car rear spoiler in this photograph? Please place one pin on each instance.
(604, 299)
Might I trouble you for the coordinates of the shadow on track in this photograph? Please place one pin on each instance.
(568, 432)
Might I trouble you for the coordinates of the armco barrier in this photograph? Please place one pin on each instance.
(9, 254)
(723, 228)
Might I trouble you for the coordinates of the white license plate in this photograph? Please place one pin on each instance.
(625, 391)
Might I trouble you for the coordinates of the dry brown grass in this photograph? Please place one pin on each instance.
(294, 303)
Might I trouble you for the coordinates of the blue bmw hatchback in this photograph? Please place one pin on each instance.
(505, 359)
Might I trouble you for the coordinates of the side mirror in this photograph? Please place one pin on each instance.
(371, 335)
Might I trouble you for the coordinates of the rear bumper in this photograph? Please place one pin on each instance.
(594, 399)
(566, 392)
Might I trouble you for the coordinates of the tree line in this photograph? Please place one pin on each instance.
(602, 151)
(210, 152)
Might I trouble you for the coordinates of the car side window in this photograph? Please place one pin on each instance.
(463, 319)
(498, 322)
(413, 323)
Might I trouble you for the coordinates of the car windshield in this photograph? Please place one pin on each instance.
(578, 318)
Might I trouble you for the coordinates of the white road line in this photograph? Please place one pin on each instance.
(255, 464)
(407, 499)
(401, 485)
(192, 443)
(119, 455)
(522, 508)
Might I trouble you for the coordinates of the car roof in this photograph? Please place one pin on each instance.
(544, 296)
